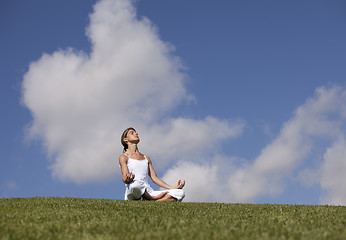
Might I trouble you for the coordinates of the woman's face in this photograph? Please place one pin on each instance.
(132, 136)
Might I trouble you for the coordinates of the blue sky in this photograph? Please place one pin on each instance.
(242, 98)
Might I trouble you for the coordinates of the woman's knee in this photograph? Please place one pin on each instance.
(136, 191)
(178, 194)
(182, 193)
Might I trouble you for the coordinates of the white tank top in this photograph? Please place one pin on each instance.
(139, 168)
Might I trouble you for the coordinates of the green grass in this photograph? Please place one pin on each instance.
(74, 218)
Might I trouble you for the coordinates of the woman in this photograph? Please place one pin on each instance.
(135, 168)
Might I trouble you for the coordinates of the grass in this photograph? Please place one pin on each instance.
(75, 218)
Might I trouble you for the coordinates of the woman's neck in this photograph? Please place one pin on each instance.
(132, 149)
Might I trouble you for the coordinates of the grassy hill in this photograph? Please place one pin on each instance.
(75, 218)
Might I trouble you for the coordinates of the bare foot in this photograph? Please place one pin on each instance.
(147, 196)
(159, 196)
(167, 198)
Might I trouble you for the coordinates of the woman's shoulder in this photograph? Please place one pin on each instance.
(147, 158)
(123, 157)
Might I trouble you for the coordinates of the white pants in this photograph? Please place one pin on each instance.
(136, 189)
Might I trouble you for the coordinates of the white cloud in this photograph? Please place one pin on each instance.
(333, 172)
(202, 181)
(82, 102)
(321, 117)
(183, 137)
(317, 118)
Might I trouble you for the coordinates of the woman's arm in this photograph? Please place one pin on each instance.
(160, 182)
(127, 176)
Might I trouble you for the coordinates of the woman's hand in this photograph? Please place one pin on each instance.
(129, 177)
(179, 185)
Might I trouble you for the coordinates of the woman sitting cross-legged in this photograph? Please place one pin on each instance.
(135, 169)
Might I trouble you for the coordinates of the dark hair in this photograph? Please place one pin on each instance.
(124, 135)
